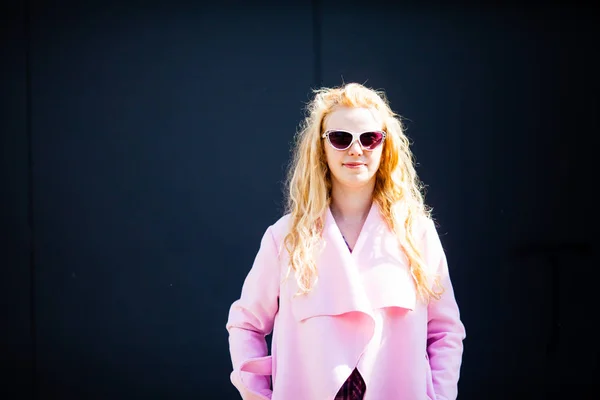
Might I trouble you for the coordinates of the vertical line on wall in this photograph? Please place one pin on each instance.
(30, 219)
(316, 25)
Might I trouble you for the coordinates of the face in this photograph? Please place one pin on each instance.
(354, 167)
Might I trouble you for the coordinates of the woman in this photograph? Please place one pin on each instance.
(352, 281)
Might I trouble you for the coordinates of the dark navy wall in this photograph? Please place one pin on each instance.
(16, 343)
(498, 105)
(144, 147)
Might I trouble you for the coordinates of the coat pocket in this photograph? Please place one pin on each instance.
(258, 366)
(253, 378)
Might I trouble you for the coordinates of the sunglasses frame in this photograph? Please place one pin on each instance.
(355, 138)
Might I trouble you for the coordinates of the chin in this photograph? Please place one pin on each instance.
(356, 181)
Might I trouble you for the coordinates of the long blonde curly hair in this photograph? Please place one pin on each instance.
(398, 190)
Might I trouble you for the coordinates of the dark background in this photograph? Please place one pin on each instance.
(144, 145)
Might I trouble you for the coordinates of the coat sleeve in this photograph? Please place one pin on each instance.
(251, 318)
(445, 331)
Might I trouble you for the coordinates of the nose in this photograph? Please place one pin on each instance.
(355, 149)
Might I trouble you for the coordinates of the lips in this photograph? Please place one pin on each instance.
(353, 164)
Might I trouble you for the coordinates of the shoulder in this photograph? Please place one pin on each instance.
(279, 229)
(423, 227)
(425, 233)
(282, 225)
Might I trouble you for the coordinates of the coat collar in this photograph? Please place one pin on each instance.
(375, 275)
(332, 230)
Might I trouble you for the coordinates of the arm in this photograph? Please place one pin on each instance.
(251, 318)
(445, 331)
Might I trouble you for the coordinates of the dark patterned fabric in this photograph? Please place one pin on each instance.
(347, 243)
(353, 389)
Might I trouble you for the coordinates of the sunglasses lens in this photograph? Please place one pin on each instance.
(370, 140)
(340, 140)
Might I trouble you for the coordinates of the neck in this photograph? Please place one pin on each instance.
(351, 204)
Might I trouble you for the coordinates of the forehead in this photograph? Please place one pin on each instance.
(353, 119)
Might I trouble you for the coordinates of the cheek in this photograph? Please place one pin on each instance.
(375, 160)
(331, 157)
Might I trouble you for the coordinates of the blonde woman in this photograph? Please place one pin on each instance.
(352, 281)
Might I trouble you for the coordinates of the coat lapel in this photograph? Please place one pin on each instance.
(375, 275)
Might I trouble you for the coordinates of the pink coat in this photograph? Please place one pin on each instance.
(363, 312)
